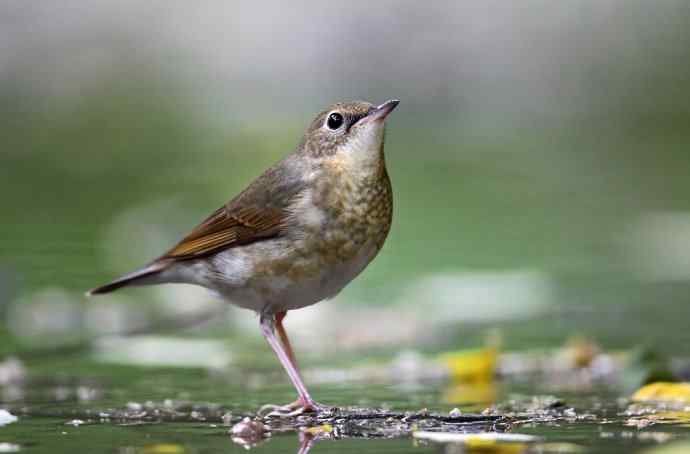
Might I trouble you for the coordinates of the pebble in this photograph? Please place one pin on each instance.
(248, 429)
(227, 419)
(9, 447)
(134, 406)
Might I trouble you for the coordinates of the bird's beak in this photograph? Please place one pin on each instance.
(381, 112)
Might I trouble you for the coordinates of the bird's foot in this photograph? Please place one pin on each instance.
(295, 408)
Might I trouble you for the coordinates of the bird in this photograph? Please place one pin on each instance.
(297, 235)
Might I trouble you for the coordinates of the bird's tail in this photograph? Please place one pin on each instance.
(143, 276)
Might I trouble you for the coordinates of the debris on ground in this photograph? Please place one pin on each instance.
(473, 410)
(340, 422)
(381, 423)
(75, 422)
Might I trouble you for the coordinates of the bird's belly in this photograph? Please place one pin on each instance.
(327, 282)
(276, 277)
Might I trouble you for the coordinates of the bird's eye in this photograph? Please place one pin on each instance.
(335, 120)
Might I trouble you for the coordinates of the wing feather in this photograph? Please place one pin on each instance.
(256, 214)
(228, 227)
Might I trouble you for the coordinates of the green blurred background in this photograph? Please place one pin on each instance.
(539, 158)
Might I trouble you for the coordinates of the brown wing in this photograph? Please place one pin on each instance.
(257, 213)
(228, 227)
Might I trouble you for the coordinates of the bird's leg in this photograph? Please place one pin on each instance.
(282, 334)
(286, 357)
(306, 442)
(284, 338)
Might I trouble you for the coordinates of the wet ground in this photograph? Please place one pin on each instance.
(97, 409)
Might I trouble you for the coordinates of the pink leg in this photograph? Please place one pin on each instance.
(282, 334)
(306, 442)
(267, 329)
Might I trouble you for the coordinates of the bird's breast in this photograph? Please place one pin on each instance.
(342, 212)
(335, 230)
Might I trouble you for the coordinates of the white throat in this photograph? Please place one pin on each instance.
(363, 151)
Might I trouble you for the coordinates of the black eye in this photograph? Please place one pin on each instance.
(335, 120)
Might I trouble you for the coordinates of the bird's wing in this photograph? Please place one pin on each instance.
(227, 227)
(256, 214)
(230, 225)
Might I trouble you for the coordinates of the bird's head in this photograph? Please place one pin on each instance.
(349, 131)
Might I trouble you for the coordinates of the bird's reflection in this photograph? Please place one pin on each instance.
(306, 441)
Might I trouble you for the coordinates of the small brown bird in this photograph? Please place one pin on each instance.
(296, 235)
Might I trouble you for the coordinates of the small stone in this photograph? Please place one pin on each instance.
(62, 393)
(455, 413)
(12, 370)
(9, 447)
(134, 406)
(227, 419)
(75, 422)
(248, 429)
(86, 393)
(6, 417)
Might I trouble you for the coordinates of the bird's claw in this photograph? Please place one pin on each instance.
(293, 409)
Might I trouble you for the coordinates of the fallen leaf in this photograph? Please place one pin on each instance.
(671, 448)
(471, 393)
(323, 429)
(487, 442)
(163, 448)
(663, 392)
(471, 365)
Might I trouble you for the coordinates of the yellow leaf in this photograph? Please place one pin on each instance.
(470, 393)
(487, 442)
(163, 448)
(325, 428)
(663, 392)
(471, 365)
(487, 446)
(682, 447)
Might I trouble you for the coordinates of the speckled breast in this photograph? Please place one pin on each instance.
(339, 228)
(357, 213)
